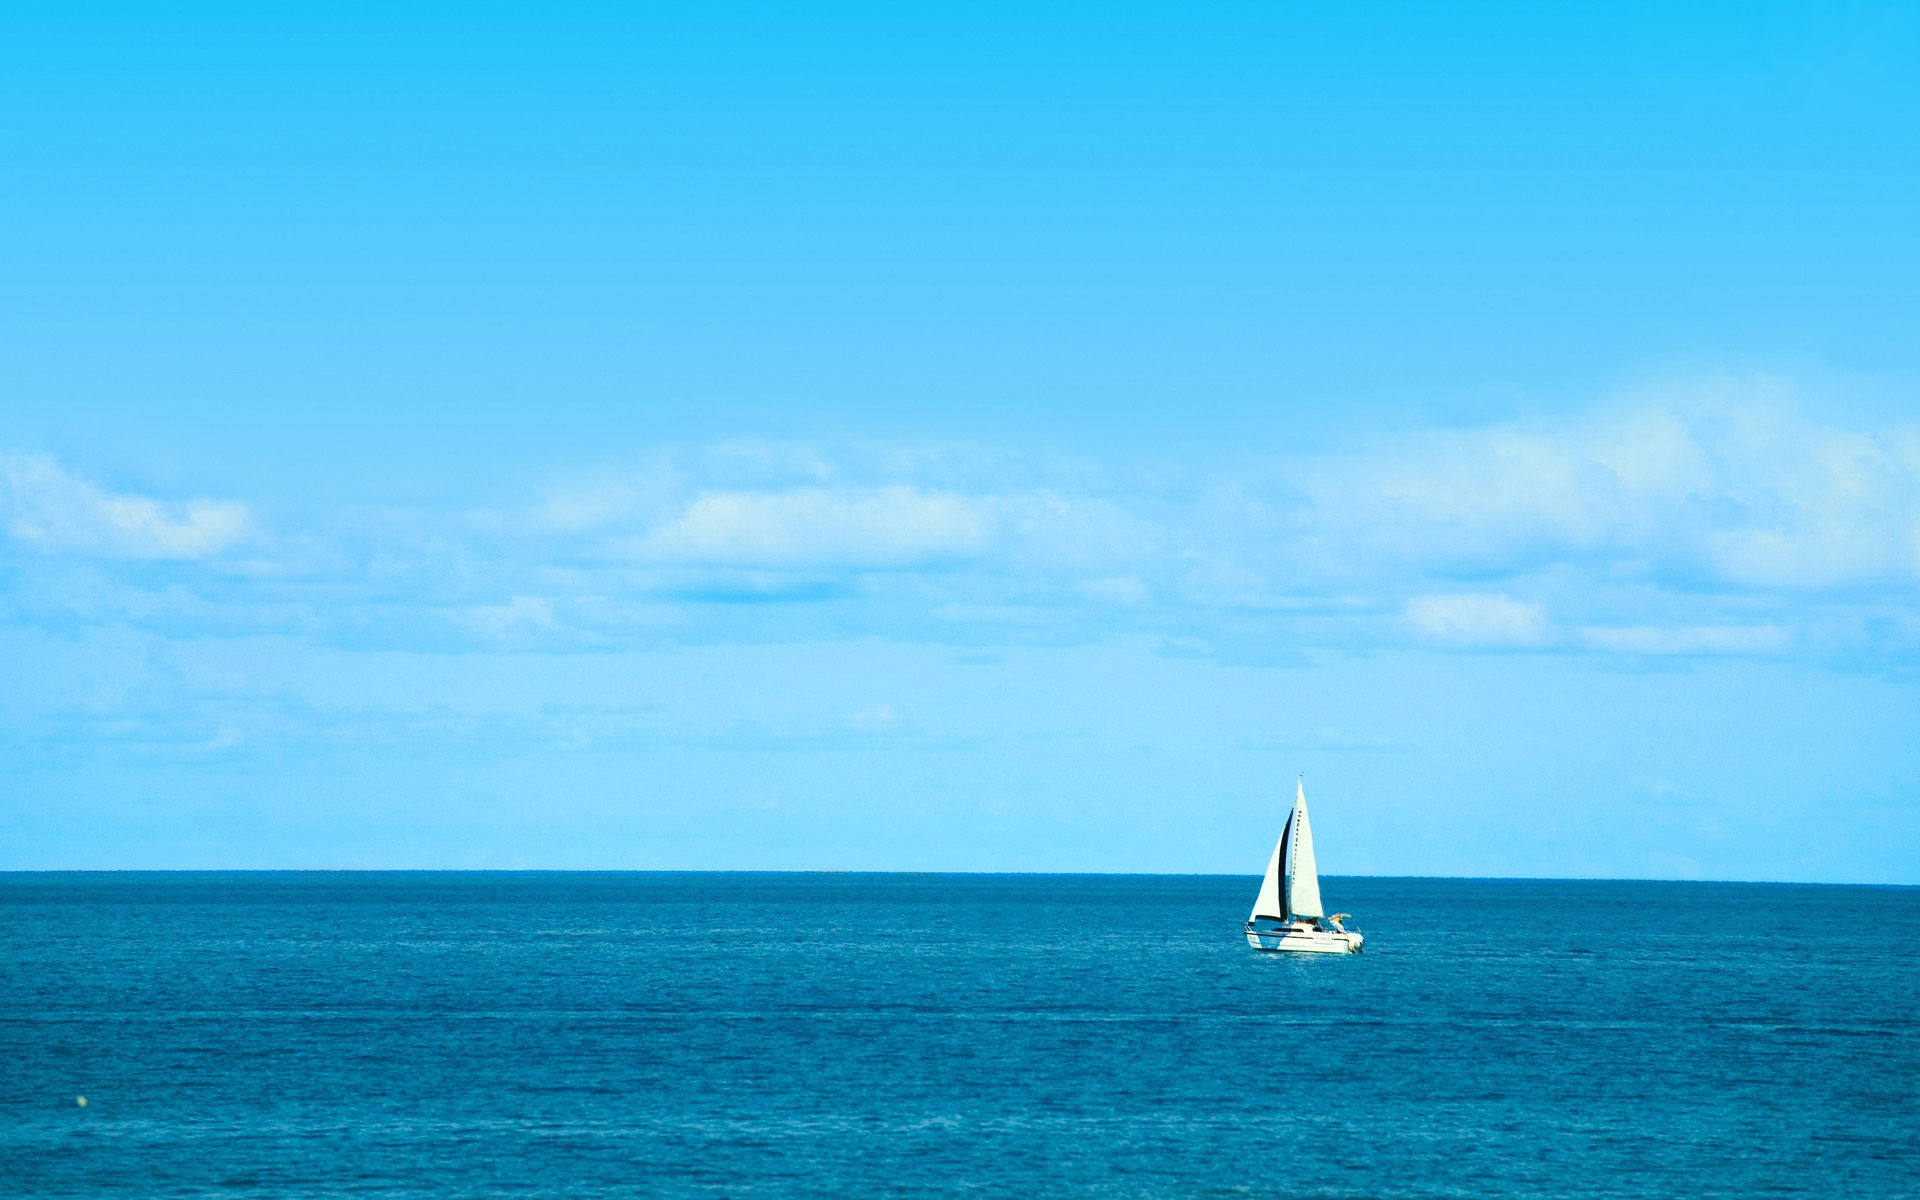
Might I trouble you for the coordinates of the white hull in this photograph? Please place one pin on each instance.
(1305, 941)
(1288, 915)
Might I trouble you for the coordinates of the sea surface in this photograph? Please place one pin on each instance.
(588, 1035)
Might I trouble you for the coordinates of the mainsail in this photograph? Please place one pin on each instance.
(1303, 880)
(1299, 896)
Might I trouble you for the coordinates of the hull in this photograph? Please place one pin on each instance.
(1304, 941)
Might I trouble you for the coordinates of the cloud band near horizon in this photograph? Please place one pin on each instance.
(1721, 523)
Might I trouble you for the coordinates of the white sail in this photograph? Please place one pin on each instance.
(1303, 879)
(1269, 905)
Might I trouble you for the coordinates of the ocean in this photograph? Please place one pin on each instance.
(583, 1035)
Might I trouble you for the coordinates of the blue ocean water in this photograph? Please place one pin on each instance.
(585, 1035)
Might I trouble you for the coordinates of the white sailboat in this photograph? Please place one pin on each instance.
(1288, 914)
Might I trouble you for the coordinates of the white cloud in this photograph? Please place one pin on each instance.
(892, 526)
(519, 612)
(1703, 639)
(225, 739)
(50, 509)
(1717, 522)
(1727, 489)
(1691, 512)
(1060, 532)
(879, 718)
(1116, 590)
(595, 503)
(1479, 620)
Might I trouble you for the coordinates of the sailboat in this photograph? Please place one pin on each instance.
(1288, 914)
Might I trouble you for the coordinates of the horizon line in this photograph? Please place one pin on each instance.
(905, 871)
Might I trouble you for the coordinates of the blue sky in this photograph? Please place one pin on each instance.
(969, 437)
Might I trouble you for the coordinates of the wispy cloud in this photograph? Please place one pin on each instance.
(1118, 589)
(1711, 639)
(519, 612)
(1477, 620)
(1727, 488)
(1715, 521)
(50, 509)
(875, 719)
(818, 527)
